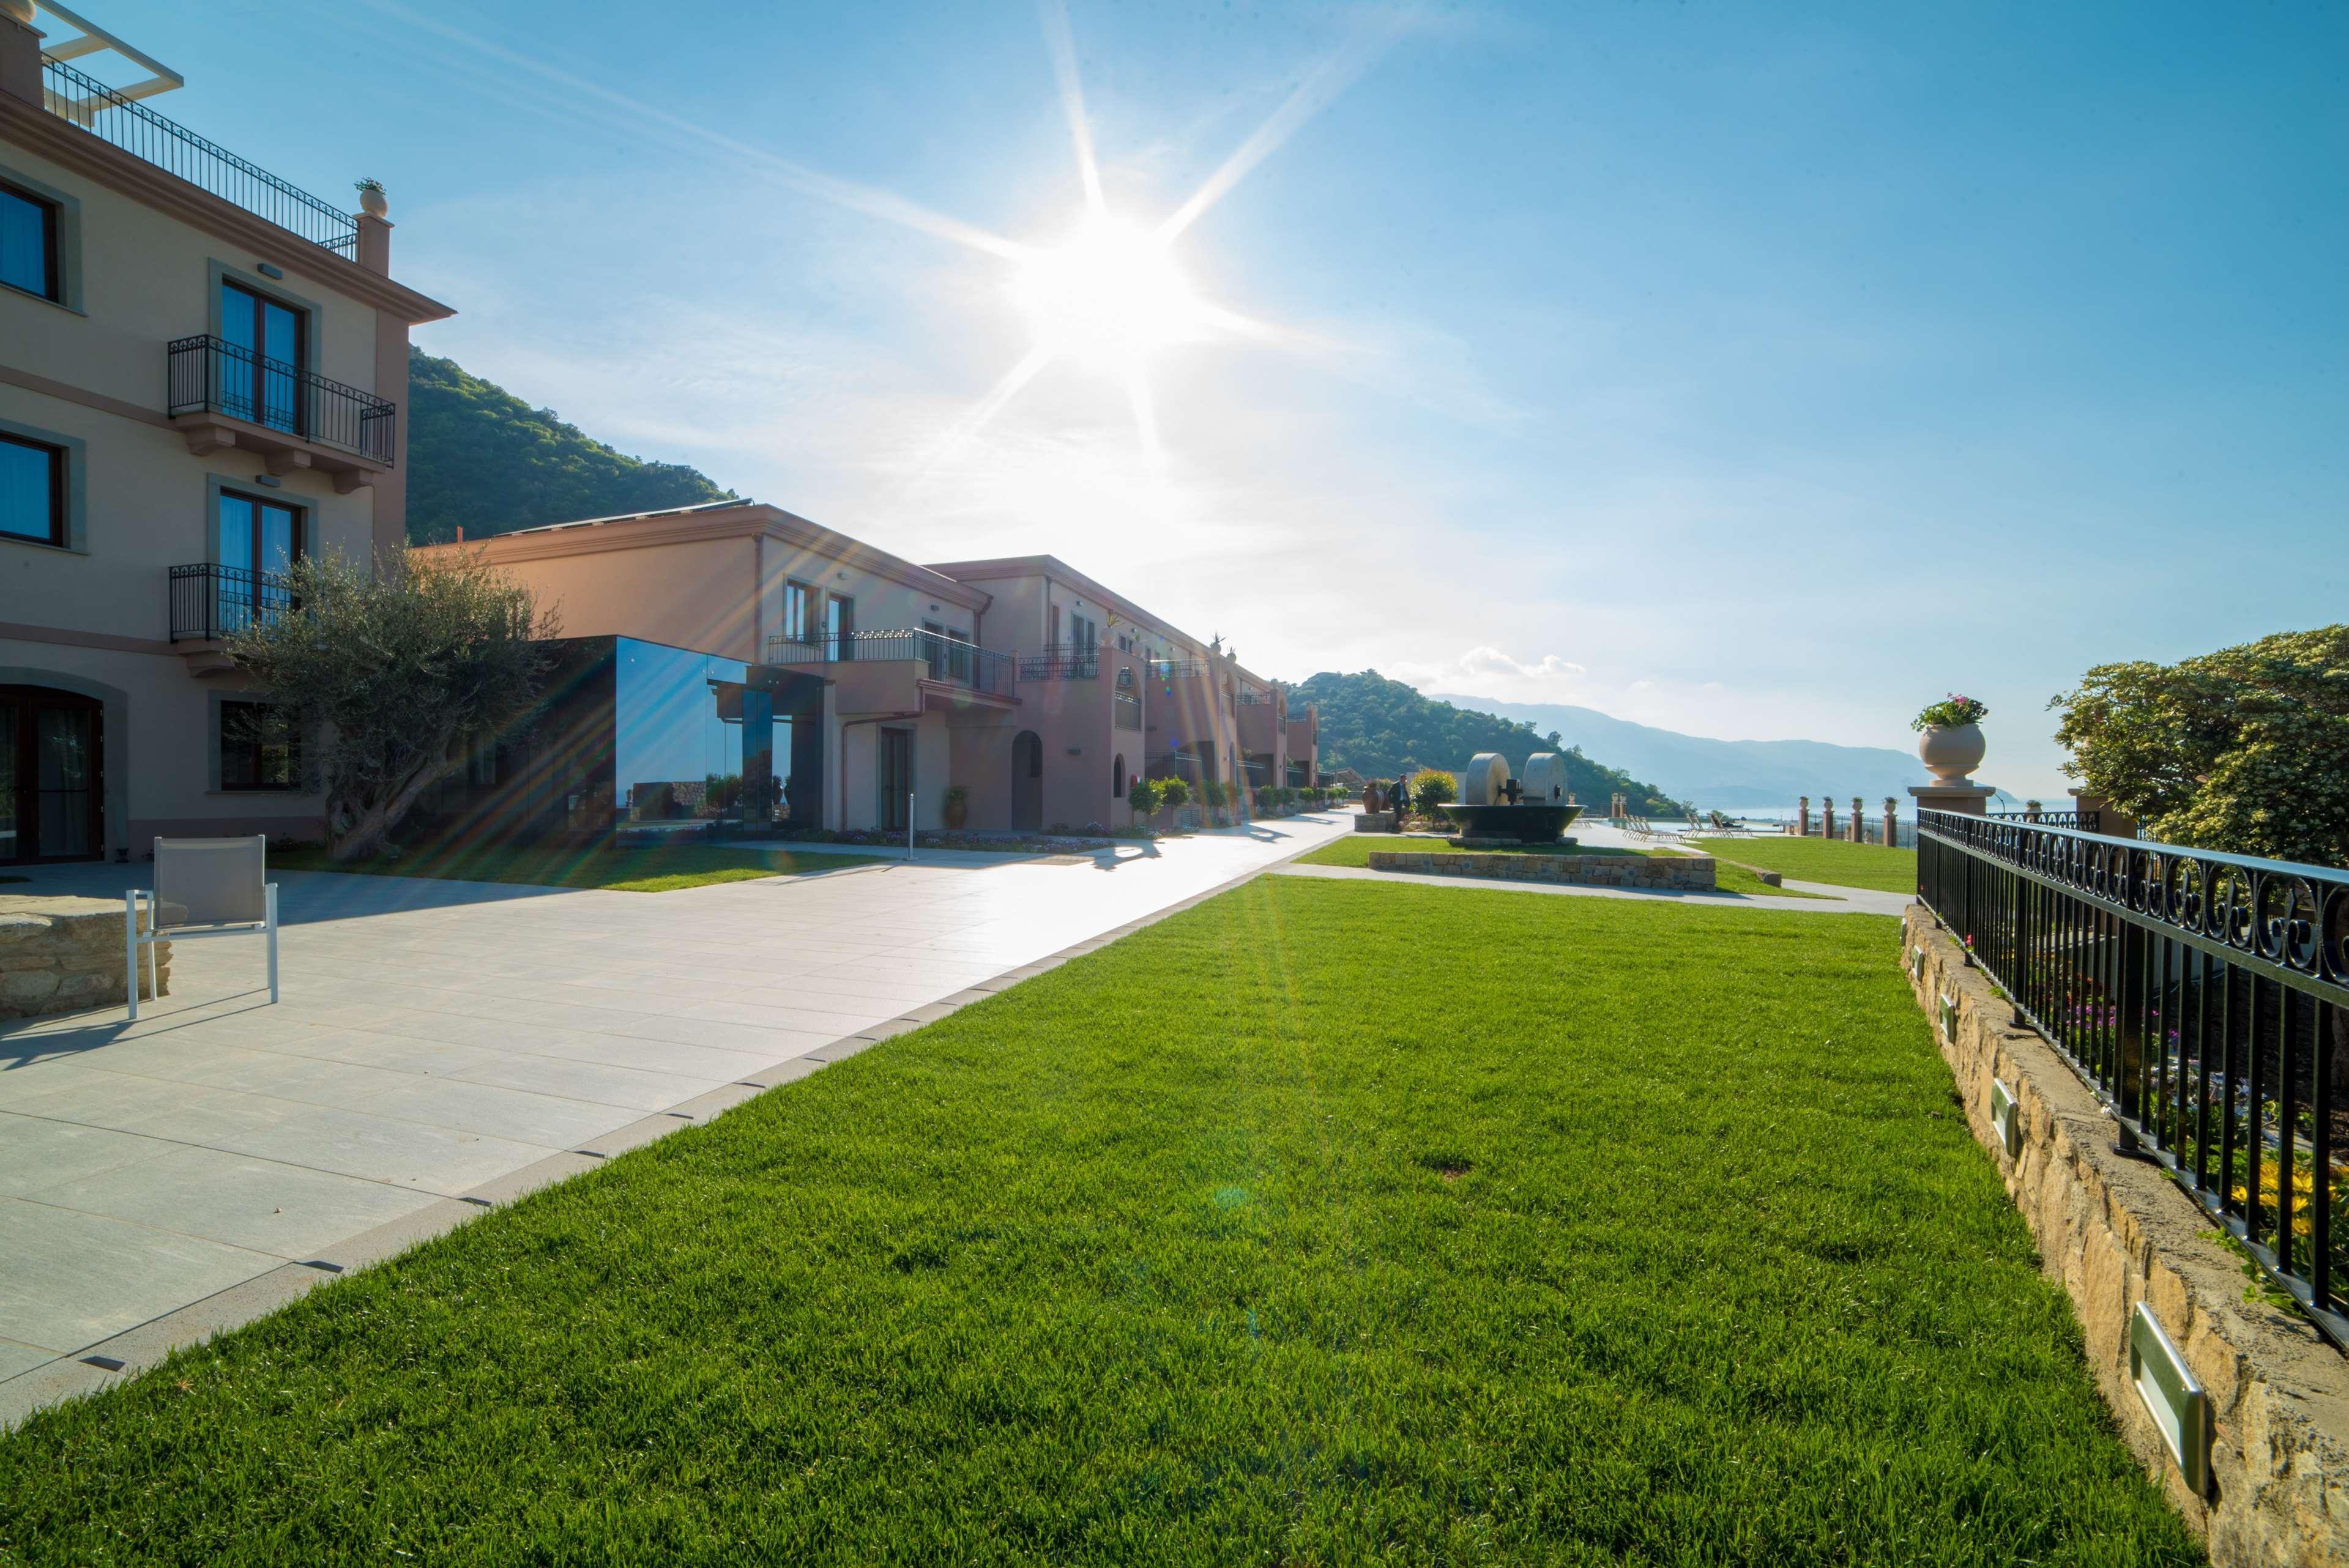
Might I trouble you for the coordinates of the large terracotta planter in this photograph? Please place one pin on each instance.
(955, 813)
(1950, 755)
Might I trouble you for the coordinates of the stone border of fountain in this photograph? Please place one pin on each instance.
(1653, 874)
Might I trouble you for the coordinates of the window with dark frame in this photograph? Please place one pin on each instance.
(260, 370)
(33, 480)
(795, 611)
(28, 243)
(258, 747)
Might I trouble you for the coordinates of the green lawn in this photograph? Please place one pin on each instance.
(1823, 860)
(1317, 1224)
(1354, 849)
(660, 869)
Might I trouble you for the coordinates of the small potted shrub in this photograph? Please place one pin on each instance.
(957, 810)
(1950, 738)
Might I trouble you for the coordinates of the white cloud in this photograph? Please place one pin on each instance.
(1549, 676)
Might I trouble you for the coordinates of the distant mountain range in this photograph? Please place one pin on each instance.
(1721, 774)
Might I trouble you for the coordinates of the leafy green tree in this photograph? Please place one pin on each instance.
(2245, 749)
(1433, 787)
(1145, 797)
(1173, 793)
(395, 673)
(480, 458)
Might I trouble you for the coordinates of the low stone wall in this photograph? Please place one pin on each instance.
(1374, 821)
(1672, 873)
(64, 955)
(2118, 1232)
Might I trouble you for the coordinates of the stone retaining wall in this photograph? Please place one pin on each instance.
(2118, 1232)
(62, 954)
(1374, 821)
(1673, 873)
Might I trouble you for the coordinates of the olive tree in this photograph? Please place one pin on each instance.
(2245, 749)
(395, 673)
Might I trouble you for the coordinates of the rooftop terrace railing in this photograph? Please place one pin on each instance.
(944, 658)
(174, 148)
(2201, 995)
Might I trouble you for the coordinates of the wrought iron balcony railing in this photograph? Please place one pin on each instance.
(1062, 662)
(1176, 669)
(174, 148)
(943, 658)
(209, 376)
(210, 601)
(2202, 997)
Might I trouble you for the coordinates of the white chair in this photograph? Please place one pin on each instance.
(223, 883)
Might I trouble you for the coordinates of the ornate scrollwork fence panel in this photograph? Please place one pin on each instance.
(2203, 997)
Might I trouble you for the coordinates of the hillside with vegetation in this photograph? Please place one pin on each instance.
(482, 459)
(1380, 728)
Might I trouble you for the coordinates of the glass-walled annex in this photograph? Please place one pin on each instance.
(637, 736)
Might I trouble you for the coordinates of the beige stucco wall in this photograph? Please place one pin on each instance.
(146, 279)
(158, 746)
(146, 507)
(694, 593)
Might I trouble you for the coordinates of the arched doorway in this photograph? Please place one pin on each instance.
(1117, 777)
(52, 798)
(1026, 781)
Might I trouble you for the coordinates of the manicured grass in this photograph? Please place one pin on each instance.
(1823, 860)
(1322, 1223)
(1354, 849)
(656, 869)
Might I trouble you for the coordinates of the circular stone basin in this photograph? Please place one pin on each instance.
(1524, 824)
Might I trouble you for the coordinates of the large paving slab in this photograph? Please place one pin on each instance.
(443, 1045)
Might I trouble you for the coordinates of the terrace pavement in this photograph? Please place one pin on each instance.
(442, 1047)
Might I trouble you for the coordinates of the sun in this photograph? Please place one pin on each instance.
(1110, 296)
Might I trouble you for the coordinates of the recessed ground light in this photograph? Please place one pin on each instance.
(2173, 1398)
(103, 1362)
(477, 1202)
(321, 1264)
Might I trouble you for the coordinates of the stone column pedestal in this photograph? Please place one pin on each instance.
(1971, 800)
(2111, 823)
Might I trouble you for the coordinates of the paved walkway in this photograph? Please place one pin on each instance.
(441, 1046)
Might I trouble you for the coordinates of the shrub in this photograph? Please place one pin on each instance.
(1433, 787)
(1173, 793)
(1215, 795)
(1145, 797)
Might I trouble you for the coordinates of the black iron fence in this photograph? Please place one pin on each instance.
(2201, 995)
(943, 658)
(209, 376)
(210, 601)
(174, 148)
(1062, 662)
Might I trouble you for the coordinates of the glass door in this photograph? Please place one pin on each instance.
(840, 625)
(896, 777)
(50, 799)
(261, 371)
(258, 541)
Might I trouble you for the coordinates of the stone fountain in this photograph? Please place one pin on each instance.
(1498, 808)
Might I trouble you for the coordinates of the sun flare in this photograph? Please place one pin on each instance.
(1110, 295)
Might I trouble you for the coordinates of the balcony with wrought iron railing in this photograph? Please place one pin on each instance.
(211, 602)
(126, 123)
(1062, 662)
(294, 418)
(902, 655)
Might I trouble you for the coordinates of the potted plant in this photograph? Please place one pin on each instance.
(1950, 738)
(958, 807)
(1143, 797)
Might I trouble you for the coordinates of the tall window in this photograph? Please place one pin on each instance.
(795, 611)
(32, 490)
(840, 625)
(258, 541)
(29, 242)
(258, 749)
(1085, 633)
(261, 374)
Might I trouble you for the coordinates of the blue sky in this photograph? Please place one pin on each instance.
(1755, 371)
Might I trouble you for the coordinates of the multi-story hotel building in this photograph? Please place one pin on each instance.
(201, 372)
(733, 643)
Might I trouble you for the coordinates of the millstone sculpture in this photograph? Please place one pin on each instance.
(1495, 806)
